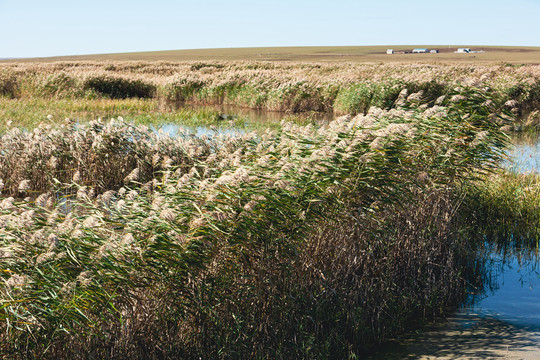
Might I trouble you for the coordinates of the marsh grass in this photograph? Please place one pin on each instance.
(342, 88)
(31, 113)
(505, 208)
(8, 84)
(301, 242)
(119, 88)
(100, 155)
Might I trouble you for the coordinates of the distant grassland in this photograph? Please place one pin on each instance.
(510, 54)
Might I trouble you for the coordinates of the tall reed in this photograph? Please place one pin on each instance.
(302, 242)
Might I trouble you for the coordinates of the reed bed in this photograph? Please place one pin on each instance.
(505, 209)
(342, 88)
(101, 155)
(302, 242)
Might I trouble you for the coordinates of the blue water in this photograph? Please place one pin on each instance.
(524, 156)
(174, 129)
(515, 294)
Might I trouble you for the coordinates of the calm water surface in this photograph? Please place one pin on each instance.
(251, 116)
(524, 157)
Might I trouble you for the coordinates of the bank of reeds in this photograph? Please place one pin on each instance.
(342, 88)
(505, 209)
(299, 243)
(100, 155)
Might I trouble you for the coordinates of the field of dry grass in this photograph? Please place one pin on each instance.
(492, 54)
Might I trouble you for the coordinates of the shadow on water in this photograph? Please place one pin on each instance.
(467, 336)
(501, 321)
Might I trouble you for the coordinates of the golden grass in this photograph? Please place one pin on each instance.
(493, 54)
(78, 88)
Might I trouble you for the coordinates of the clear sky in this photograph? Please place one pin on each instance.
(60, 27)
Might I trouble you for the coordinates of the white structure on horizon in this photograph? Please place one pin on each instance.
(390, 51)
(420, 51)
(463, 51)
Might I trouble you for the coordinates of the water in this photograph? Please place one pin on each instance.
(524, 157)
(174, 129)
(251, 118)
(503, 322)
(254, 115)
(516, 296)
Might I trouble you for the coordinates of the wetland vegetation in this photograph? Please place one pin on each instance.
(296, 240)
(134, 89)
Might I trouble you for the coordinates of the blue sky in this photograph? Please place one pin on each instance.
(60, 27)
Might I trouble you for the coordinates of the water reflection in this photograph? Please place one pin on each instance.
(524, 156)
(468, 336)
(502, 321)
(249, 117)
(515, 294)
(228, 112)
(174, 130)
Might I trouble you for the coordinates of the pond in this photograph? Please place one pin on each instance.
(250, 118)
(254, 115)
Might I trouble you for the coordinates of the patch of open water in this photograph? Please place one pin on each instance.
(251, 116)
(524, 157)
(254, 115)
(174, 129)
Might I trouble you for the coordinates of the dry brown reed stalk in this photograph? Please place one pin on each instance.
(8, 84)
(349, 286)
(349, 262)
